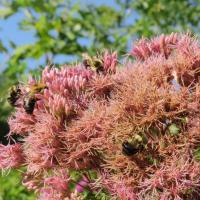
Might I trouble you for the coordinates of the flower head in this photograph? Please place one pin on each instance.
(11, 156)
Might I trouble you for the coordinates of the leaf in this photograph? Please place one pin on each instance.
(75, 175)
(2, 47)
(12, 44)
(77, 27)
(174, 129)
(6, 12)
(197, 154)
(70, 35)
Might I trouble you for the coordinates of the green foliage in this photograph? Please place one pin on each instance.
(161, 16)
(11, 188)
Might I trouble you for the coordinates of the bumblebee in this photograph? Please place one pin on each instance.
(29, 104)
(30, 99)
(14, 95)
(37, 88)
(94, 63)
(130, 148)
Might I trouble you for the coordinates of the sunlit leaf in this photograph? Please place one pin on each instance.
(174, 129)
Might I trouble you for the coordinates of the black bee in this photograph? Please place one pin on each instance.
(129, 149)
(134, 146)
(14, 95)
(29, 104)
(30, 99)
(86, 63)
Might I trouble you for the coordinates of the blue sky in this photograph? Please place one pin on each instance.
(9, 31)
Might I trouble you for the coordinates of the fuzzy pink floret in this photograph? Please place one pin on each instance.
(159, 45)
(110, 61)
(11, 156)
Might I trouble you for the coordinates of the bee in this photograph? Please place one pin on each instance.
(30, 99)
(130, 148)
(94, 63)
(36, 88)
(14, 95)
(29, 104)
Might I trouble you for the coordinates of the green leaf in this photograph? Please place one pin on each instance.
(12, 189)
(174, 129)
(70, 35)
(77, 27)
(2, 47)
(75, 175)
(5, 12)
(197, 154)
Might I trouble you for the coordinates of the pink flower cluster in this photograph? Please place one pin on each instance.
(65, 93)
(138, 124)
(110, 62)
(161, 45)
